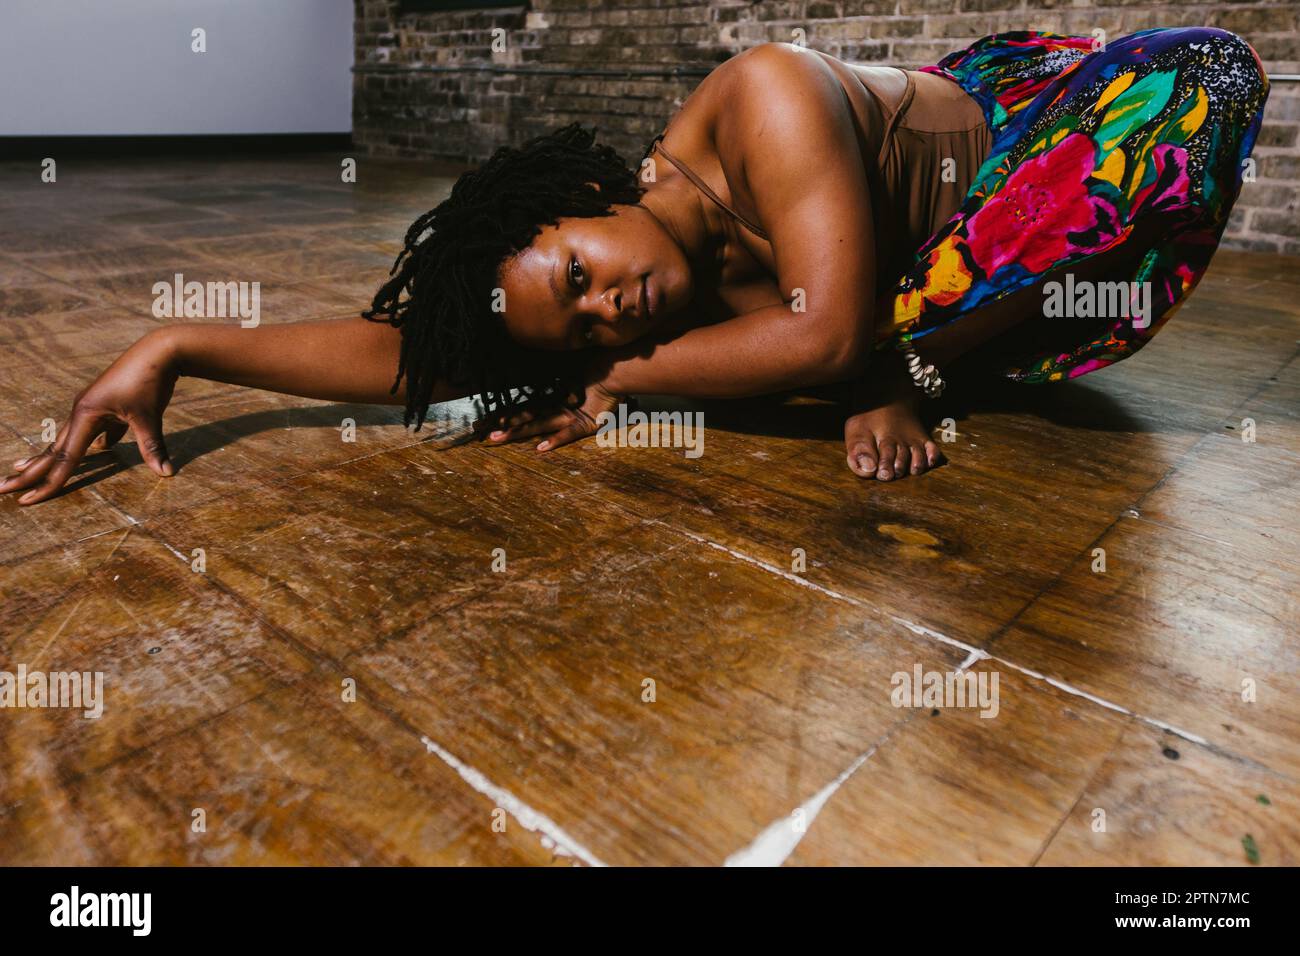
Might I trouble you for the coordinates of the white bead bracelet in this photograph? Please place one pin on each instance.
(926, 377)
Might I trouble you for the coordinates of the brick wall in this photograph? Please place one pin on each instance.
(455, 85)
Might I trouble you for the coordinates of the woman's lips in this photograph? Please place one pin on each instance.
(650, 299)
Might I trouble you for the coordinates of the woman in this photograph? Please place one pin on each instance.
(801, 222)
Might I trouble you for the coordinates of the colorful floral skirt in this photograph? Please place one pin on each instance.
(1092, 149)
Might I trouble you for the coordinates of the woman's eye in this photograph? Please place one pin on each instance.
(575, 273)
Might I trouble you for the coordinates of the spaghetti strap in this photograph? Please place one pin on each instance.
(704, 187)
(891, 125)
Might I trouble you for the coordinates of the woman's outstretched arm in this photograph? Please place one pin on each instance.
(349, 360)
(343, 360)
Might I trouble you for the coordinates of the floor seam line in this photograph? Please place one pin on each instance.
(1083, 791)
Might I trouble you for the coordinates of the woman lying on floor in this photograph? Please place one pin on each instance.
(759, 249)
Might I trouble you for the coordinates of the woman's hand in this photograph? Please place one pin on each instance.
(132, 394)
(560, 425)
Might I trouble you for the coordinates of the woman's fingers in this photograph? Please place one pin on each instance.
(541, 426)
(37, 466)
(30, 469)
(41, 476)
(503, 425)
(48, 472)
(575, 431)
(562, 425)
(110, 436)
(149, 438)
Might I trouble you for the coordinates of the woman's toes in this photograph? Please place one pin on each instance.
(903, 462)
(888, 455)
(932, 454)
(918, 460)
(862, 459)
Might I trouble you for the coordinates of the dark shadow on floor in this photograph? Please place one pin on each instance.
(188, 444)
(819, 414)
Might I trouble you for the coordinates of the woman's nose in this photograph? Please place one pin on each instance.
(612, 305)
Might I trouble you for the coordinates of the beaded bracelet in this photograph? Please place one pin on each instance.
(926, 377)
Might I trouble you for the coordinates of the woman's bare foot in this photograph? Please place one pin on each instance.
(884, 438)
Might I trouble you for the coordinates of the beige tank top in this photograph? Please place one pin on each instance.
(931, 142)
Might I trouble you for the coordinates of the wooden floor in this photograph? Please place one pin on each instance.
(500, 716)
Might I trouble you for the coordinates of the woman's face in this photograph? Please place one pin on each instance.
(595, 282)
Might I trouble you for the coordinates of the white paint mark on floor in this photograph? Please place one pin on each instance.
(1101, 702)
(174, 551)
(924, 631)
(775, 844)
(531, 820)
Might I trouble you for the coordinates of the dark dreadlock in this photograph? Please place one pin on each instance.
(440, 290)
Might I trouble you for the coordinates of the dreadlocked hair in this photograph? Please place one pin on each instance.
(441, 289)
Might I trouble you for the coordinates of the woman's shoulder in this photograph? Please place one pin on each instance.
(760, 71)
(767, 60)
(739, 88)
